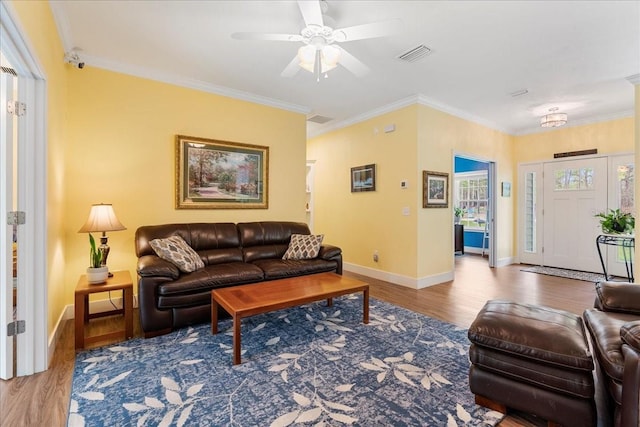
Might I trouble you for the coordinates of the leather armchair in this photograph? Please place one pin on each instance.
(614, 326)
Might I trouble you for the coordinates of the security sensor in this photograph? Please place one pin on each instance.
(73, 57)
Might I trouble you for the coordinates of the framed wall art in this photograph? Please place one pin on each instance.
(435, 189)
(363, 178)
(214, 174)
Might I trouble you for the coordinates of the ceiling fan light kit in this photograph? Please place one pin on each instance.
(319, 54)
(553, 119)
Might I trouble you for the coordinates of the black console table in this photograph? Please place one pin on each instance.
(627, 243)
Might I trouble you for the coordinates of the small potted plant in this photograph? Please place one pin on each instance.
(96, 272)
(617, 222)
(457, 215)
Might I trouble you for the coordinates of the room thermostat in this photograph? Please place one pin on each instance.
(404, 184)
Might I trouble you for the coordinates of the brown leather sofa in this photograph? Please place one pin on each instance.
(233, 254)
(614, 326)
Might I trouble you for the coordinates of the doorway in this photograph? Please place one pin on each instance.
(558, 201)
(474, 193)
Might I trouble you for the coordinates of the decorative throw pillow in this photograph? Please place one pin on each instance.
(175, 250)
(303, 246)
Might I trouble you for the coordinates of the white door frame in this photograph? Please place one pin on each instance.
(492, 211)
(32, 304)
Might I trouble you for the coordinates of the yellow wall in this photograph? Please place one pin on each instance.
(442, 135)
(121, 150)
(366, 221)
(418, 246)
(110, 139)
(39, 28)
(614, 136)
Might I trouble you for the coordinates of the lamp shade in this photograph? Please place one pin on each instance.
(102, 218)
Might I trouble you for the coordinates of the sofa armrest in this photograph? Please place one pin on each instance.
(329, 251)
(618, 297)
(154, 266)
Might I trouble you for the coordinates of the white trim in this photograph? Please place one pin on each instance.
(502, 262)
(418, 99)
(399, 279)
(151, 74)
(32, 184)
(581, 122)
(634, 79)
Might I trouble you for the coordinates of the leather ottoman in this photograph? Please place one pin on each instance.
(533, 359)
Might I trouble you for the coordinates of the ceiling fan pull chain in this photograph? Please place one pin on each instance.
(318, 65)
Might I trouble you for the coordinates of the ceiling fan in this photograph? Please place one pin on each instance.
(320, 52)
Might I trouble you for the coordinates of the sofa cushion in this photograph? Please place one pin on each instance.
(543, 334)
(211, 277)
(303, 246)
(268, 239)
(618, 297)
(282, 268)
(175, 250)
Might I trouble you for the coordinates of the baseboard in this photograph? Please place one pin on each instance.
(68, 313)
(502, 262)
(399, 279)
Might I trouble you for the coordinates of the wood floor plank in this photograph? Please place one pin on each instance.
(43, 399)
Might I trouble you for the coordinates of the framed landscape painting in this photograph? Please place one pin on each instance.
(214, 174)
(363, 178)
(435, 189)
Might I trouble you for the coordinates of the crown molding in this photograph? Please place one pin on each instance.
(418, 99)
(634, 79)
(582, 122)
(200, 85)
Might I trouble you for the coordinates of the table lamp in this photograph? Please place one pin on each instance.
(102, 218)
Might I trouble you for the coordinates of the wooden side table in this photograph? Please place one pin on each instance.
(121, 280)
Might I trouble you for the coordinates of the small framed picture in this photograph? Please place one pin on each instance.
(435, 189)
(363, 178)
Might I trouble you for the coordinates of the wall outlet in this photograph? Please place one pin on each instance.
(375, 256)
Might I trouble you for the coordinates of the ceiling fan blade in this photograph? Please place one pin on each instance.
(291, 69)
(267, 36)
(311, 12)
(353, 64)
(367, 31)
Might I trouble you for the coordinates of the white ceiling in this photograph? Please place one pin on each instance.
(579, 56)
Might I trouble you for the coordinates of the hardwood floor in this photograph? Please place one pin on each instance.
(43, 399)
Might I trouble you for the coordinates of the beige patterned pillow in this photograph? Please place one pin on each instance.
(175, 250)
(303, 246)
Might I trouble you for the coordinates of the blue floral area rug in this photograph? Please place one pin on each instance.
(311, 365)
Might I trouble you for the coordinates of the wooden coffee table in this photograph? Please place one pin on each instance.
(249, 300)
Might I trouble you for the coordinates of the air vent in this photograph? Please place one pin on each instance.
(319, 119)
(9, 71)
(415, 54)
(519, 93)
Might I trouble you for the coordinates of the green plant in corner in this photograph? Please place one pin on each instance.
(95, 256)
(616, 222)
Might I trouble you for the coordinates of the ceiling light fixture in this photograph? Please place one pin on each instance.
(318, 56)
(553, 119)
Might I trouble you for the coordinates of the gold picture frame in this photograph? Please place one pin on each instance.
(212, 174)
(435, 189)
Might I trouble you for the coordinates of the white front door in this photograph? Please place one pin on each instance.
(575, 191)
